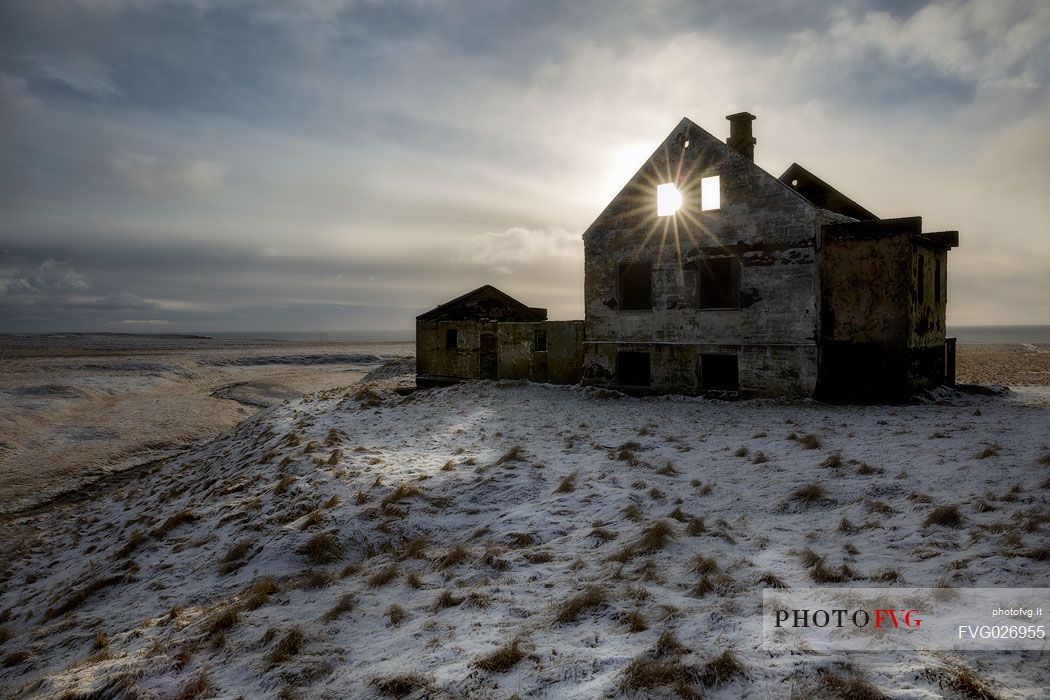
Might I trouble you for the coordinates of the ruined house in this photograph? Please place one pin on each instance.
(708, 274)
(487, 334)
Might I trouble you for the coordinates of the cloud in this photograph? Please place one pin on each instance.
(518, 246)
(392, 155)
(48, 278)
(156, 175)
(80, 73)
(120, 301)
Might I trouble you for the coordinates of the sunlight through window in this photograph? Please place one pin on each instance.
(668, 199)
(710, 193)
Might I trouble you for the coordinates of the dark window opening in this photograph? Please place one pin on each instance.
(451, 339)
(719, 283)
(719, 372)
(920, 276)
(539, 341)
(937, 281)
(632, 369)
(636, 286)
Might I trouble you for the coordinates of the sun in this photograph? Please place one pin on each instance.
(668, 199)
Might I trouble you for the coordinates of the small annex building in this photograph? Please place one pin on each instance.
(708, 274)
(487, 334)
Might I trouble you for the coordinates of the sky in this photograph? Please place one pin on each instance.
(250, 165)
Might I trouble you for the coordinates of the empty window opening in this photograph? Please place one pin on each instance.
(937, 281)
(636, 286)
(719, 283)
(668, 199)
(451, 339)
(920, 278)
(686, 145)
(710, 193)
(719, 372)
(539, 341)
(632, 369)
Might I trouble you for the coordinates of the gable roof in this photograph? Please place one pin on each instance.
(485, 303)
(685, 130)
(822, 194)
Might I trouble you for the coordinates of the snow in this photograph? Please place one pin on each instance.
(530, 545)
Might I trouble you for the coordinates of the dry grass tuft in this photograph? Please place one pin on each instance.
(567, 485)
(668, 644)
(503, 659)
(283, 483)
(991, 450)
(368, 397)
(457, 555)
(514, 454)
(322, 548)
(771, 580)
(963, 680)
(402, 492)
(644, 674)
(680, 515)
(313, 518)
(634, 512)
(383, 576)
(740, 452)
(318, 578)
(851, 687)
(137, 538)
(220, 622)
(234, 558)
(258, 594)
(402, 685)
(833, 461)
(820, 572)
(603, 534)
(589, 599)
(290, 645)
(636, 622)
(345, 604)
(696, 527)
(704, 565)
(396, 615)
(810, 442)
(720, 669)
(16, 657)
(759, 458)
(77, 597)
(185, 516)
(948, 516)
(198, 686)
(655, 537)
(446, 599)
(809, 494)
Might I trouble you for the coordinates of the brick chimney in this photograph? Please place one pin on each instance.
(740, 136)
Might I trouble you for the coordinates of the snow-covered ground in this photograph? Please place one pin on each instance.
(361, 543)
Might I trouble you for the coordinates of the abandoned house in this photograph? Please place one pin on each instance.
(486, 334)
(706, 273)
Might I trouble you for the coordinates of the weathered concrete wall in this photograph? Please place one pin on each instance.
(436, 362)
(882, 331)
(770, 229)
(516, 353)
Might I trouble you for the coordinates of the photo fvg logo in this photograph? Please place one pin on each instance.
(841, 617)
